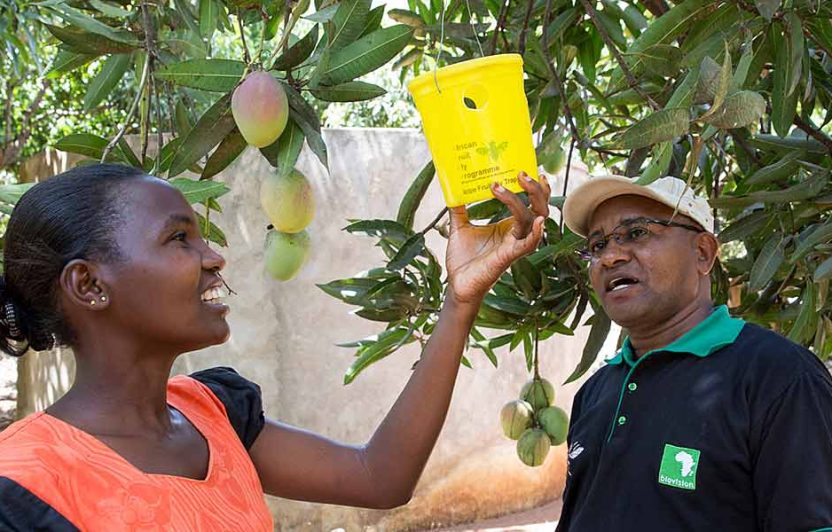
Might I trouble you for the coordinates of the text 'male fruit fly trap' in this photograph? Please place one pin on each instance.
(476, 121)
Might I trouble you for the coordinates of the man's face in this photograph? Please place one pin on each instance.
(646, 281)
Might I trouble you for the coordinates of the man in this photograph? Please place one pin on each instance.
(701, 422)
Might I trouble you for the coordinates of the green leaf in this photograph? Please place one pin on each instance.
(129, 156)
(740, 109)
(323, 15)
(365, 55)
(661, 59)
(84, 144)
(568, 244)
(683, 95)
(216, 75)
(351, 91)
(414, 195)
(741, 73)
(307, 118)
(744, 227)
(67, 61)
(659, 164)
(91, 25)
(373, 21)
(10, 194)
(787, 144)
(208, 15)
(226, 153)
(767, 8)
(81, 41)
(796, 41)
(284, 152)
(783, 102)
(485, 345)
(508, 305)
(803, 327)
(528, 351)
(211, 128)
(782, 169)
(664, 30)
(414, 246)
(380, 229)
(354, 290)
(663, 125)
(111, 73)
(348, 22)
(597, 336)
(526, 278)
(211, 231)
(815, 236)
(111, 10)
(387, 342)
(724, 84)
(199, 191)
(768, 261)
(298, 52)
(823, 271)
(182, 119)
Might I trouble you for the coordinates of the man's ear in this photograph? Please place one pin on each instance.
(81, 285)
(707, 248)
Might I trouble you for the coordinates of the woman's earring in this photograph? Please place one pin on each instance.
(103, 298)
(92, 302)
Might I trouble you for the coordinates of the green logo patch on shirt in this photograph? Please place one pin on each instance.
(679, 465)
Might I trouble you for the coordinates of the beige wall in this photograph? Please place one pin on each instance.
(283, 337)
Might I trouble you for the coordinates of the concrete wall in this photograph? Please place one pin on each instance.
(284, 336)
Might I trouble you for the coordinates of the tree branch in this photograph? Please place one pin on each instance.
(501, 21)
(813, 132)
(130, 113)
(631, 80)
(522, 44)
(10, 154)
(553, 72)
(246, 55)
(656, 7)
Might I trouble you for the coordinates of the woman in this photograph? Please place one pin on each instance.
(110, 261)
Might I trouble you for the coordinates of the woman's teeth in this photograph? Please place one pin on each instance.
(213, 294)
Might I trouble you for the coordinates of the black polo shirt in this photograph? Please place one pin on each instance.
(729, 428)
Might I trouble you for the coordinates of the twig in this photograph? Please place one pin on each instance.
(145, 118)
(7, 135)
(435, 221)
(159, 127)
(747, 149)
(814, 133)
(246, 55)
(568, 167)
(130, 113)
(631, 80)
(522, 44)
(536, 341)
(501, 21)
(553, 72)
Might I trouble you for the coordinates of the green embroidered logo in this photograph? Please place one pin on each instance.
(679, 466)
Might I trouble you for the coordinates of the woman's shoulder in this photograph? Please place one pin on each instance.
(222, 391)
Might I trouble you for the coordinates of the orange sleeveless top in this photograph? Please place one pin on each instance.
(95, 489)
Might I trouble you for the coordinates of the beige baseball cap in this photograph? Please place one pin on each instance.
(581, 203)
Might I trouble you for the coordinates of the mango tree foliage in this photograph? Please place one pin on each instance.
(731, 96)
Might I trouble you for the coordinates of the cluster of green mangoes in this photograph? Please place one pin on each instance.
(534, 422)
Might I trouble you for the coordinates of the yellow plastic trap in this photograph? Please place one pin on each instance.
(476, 120)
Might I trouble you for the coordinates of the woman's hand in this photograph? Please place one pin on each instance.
(478, 255)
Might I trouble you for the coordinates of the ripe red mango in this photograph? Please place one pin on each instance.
(260, 109)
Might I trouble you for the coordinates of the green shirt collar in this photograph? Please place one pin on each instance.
(711, 334)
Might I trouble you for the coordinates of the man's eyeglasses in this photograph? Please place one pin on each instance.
(634, 231)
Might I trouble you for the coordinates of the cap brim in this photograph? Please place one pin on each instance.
(581, 203)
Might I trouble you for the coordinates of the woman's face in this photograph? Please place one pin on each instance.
(165, 289)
